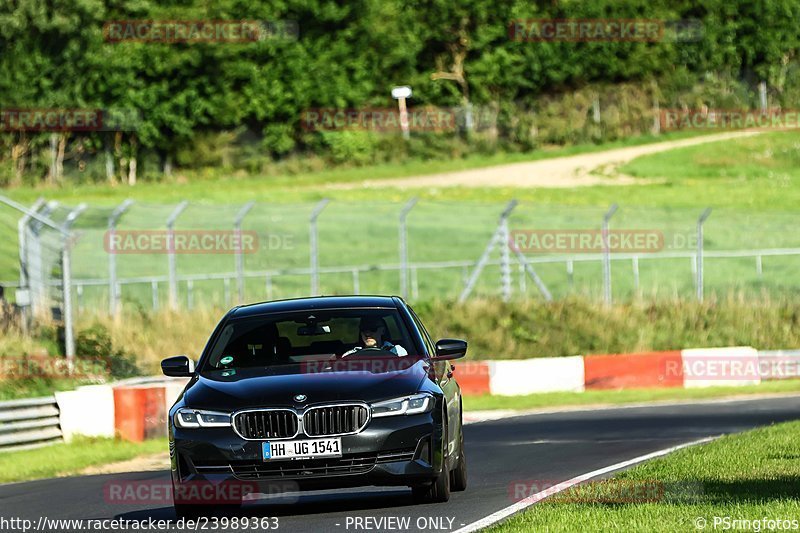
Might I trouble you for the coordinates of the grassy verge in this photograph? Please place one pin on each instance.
(748, 476)
(67, 459)
(494, 329)
(285, 187)
(615, 397)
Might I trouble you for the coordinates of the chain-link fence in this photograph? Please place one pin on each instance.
(149, 256)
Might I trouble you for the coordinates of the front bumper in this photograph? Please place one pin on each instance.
(395, 450)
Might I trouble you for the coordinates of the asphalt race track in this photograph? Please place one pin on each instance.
(552, 447)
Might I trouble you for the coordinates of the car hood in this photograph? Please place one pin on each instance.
(277, 386)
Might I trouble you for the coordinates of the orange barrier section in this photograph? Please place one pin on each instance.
(473, 376)
(139, 412)
(627, 371)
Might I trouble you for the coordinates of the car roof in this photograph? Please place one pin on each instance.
(314, 302)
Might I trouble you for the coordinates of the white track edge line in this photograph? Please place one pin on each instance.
(564, 485)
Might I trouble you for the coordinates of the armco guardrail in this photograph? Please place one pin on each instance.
(28, 423)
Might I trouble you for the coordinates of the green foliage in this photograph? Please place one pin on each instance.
(191, 98)
(94, 344)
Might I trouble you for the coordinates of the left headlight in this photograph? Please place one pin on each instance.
(193, 418)
(407, 405)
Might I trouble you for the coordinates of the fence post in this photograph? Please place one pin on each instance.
(113, 293)
(173, 267)
(496, 236)
(607, 255)
(24, 281)
(402, 228)
(699, 282)
(314, 245)
(505, 261)
(66, 282)
(237, 227)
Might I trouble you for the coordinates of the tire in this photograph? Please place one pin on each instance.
(458, 476)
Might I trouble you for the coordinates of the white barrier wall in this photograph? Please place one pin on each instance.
(88, 411)
(546, 374)
(718, 367)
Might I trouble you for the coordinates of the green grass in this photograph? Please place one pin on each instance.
(619, 397)
(753, 194)
(305, 186)
(747, 476)
(68, 459)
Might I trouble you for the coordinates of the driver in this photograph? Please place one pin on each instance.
(371, 335)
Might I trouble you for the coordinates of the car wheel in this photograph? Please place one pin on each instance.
(458, 476)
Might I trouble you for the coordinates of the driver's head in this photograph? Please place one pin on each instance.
(371, 331)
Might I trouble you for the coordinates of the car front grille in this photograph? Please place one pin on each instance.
(335, 420)
(266, 424)
(354, 464)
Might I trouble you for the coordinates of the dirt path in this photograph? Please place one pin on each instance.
(569, 171)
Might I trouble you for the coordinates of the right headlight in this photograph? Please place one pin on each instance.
(194, 418)
(406, 405)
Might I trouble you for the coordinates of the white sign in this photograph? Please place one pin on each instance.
(401, 92)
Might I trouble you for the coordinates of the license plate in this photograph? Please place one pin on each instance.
(301, 449)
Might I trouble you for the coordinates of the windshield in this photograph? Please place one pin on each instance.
(303, 337)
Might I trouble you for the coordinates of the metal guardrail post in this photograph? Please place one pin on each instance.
(403, 235)
(239, 257)
(699, 281)
(173, 267)
(607, 255)
(113, 293)
(314, 245)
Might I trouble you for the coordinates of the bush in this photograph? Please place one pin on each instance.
(94, 343)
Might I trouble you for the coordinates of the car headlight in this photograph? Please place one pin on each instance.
(407, 405)
(193, 418)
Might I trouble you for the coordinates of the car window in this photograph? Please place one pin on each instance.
(298, 337)
(426, 338)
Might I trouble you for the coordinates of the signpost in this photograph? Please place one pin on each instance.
(400, 94)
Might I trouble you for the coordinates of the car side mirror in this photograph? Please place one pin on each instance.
(179, 366)
(450, 349)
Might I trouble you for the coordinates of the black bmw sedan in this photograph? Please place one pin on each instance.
(318, 393)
